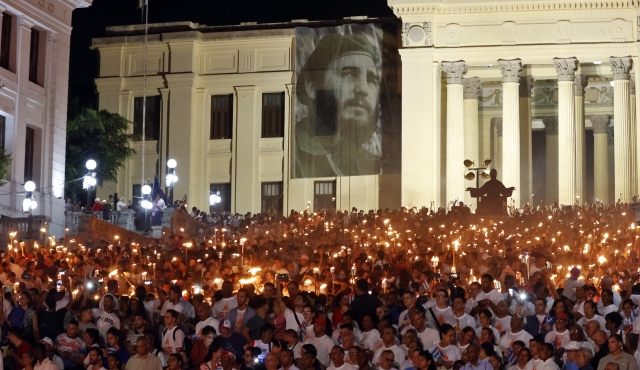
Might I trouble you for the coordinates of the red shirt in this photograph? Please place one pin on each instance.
(23, 348)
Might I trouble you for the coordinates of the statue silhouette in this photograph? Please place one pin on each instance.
(493, 195)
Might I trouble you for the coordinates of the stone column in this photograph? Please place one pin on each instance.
(471, 138)
(496, 143)
(526, 148)
(551, 125)
(455, 71)
(621, 121)
(611, 164)
(580, 83)
(600, 158)
(566, 69)
(511, 125)
(634, 137)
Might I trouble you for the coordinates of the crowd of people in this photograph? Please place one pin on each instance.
(408, 289)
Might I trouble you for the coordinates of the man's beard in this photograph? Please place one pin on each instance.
(330, 119)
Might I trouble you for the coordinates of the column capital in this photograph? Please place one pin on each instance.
(580, 83)
(566, 68)
(510, 69)
(472, 87)
(551, 125)
(455, 71)
(632, 84)
(600, 123)
(621, 66)
(526, 86)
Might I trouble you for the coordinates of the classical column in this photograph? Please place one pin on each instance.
(611, 164)
(455, 71)
(621, 120)
(551, 125)
(471, 137)
(600, 158)
(511, 124)
(634, 137)
(496, 143)
(566, 69)
(526, 148)
(580, 83)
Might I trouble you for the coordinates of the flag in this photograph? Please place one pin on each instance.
(437, 354)
(510, 355)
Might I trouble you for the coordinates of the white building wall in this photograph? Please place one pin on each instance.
(41, 106)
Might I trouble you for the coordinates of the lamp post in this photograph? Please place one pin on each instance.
(477, 172)
(171, 178)
(29, 203)
(89, 182)
(214, 198)
(146, 204)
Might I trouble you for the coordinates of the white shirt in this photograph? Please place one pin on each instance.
(220, 309)
(449, 353)
(534, 364)
(494, 296)
(371, 340)
(398, 354)
(290, 316)
(503, 325)
(323, 345)
(429, 337)
(105, 321)
(208, 322)
(507, 340)
(344, 366)
(550, 364)
(583, 321)
(171, 345)
(463, 321)
(561, 339)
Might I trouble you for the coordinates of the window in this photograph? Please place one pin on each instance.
(5, 40)
(221, 116)
(271, 197)
(273, 115)
(3, 130)
(29, 154)
(152, 126)
(324, 196)
(34, 56)
(225, 196)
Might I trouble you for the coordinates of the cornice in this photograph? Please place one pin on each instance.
(537, 6)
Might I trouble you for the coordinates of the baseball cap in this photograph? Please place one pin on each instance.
(561, 316)
(46, 340)
(226, 324)
(321, 321)
(573, 346)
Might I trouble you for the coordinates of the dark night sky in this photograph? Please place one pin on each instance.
(90, 22)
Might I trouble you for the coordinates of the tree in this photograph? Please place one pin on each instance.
(99, 135)
(5, 163)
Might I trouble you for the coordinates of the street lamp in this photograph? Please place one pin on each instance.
(214, 198)
(171, 178)
(89, 181)
(477, 172)
(146, 204)
(29, 203)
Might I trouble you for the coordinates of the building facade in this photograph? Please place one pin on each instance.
(34, 70)
(544, 89)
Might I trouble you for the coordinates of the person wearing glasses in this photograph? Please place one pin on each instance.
(559, 337)
(386, 360)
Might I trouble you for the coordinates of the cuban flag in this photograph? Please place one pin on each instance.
(437, 354)
(510, 355)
